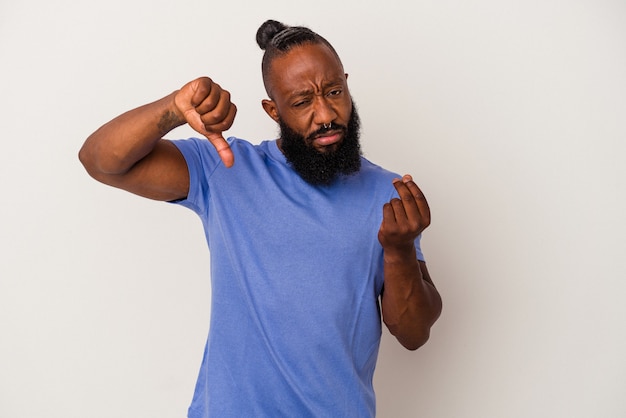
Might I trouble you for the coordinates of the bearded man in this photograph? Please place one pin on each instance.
(309, 241)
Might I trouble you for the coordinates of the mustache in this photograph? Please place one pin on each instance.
(332, 127)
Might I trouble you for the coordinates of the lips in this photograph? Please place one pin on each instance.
(328, 138)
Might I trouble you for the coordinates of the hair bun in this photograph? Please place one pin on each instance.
(267, 31)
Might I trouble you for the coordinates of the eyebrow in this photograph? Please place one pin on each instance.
(308, 92)
(301, 93)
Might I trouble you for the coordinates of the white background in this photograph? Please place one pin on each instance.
(509, 114)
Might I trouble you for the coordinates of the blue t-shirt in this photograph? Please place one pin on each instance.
(296, 273)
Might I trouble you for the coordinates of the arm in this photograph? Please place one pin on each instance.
(129, 153)
(410, 301)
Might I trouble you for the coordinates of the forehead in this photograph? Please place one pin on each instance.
(305, 67)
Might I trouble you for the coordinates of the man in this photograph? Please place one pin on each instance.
(308, 240)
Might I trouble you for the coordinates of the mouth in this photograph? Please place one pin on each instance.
(327, 138)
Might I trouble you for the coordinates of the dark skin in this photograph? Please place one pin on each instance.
(410, 301)
(309, 89)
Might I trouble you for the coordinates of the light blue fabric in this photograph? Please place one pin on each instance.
(296, 274)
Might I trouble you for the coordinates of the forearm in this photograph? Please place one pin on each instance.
(410, 301)
(116, 146)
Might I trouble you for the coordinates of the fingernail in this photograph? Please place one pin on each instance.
(407, 178)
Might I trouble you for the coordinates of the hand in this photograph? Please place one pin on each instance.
(207, 108)
(404, 218)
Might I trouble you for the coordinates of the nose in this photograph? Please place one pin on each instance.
(324, 113)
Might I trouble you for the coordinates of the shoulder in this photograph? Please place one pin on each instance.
(372, 181)
(374, 173)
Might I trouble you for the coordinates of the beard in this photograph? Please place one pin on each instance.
(322, 168)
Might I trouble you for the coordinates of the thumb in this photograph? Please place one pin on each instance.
(222, 147)
(216, 138)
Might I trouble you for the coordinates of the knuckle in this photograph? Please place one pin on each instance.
(203, 88)
(208, 119)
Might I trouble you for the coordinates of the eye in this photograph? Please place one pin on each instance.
(300, 103)
(335, 92)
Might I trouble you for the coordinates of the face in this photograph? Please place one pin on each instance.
(319, 124)
(309, 90)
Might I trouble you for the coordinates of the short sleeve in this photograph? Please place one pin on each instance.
(202, 160)
(418, 248)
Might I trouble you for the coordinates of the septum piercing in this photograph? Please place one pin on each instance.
(327, 126)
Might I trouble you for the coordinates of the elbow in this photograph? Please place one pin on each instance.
(96, 164)
(86, 159)
(417, 341)
(413, 334)
(412, 341)
(89, 161)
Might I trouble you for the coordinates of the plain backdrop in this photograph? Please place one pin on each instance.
(511, 116)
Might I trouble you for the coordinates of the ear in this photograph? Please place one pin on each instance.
(270, 108)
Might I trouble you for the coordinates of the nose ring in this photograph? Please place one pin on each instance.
(327, 126)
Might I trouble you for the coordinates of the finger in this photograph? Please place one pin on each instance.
(399, 211)
(200, 90)
(215, 137)
(225, 123)
(219, 111)
(419, 198)
(389, 215)
(208, 96)
(407, 200)
(417, 216)
(222, 147)
(195, 121)
(188, 97)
